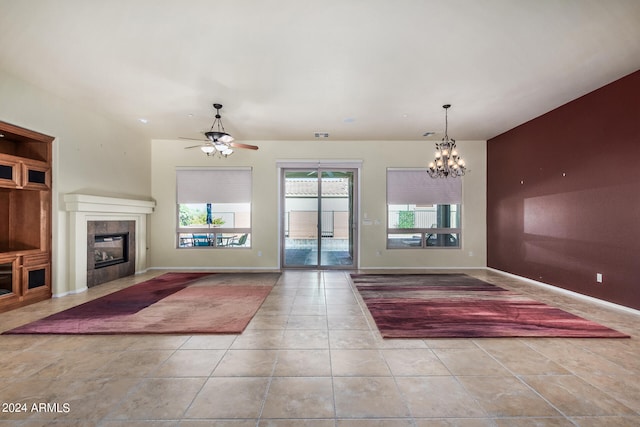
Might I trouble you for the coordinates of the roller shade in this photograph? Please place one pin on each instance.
(416, 187)
(213, 185)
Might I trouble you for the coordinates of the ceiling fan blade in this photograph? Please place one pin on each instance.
(240, 145)
(193, 139)
(195, 146)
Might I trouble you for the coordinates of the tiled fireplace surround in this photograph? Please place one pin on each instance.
(84, 209)
(96, 276)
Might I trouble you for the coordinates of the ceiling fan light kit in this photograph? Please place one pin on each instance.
(447, 162)
(219, 142)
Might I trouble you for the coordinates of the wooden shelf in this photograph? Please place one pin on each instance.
(25, 143)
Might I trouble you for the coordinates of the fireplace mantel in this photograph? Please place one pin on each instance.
(88, 203)
(83, 208)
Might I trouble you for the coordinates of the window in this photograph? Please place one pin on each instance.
(213, 207)
(422, 212)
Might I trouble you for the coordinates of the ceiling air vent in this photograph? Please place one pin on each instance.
(321, 135)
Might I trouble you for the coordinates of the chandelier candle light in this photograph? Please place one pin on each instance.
(448, 162)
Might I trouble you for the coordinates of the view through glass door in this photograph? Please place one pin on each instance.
(318, 218)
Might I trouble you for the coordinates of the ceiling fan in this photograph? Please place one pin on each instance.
(218, 142)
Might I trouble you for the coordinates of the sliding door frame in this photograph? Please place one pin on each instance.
(319, 167)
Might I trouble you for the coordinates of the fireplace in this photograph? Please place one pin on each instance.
(84, 209)
(110, 249)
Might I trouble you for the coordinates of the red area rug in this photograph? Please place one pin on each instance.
(173, 303)
(460, 306)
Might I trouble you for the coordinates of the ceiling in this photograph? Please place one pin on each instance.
(285, 69)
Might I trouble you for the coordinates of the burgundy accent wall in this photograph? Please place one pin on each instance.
(563, 195)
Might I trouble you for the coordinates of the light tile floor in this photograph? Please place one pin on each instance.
(312, 357)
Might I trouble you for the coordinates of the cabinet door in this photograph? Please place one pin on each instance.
(36, 176)
(10, 172)
(36, 275)
(35, 281)
(9, 279)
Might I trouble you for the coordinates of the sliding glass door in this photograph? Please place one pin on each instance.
(318, 220)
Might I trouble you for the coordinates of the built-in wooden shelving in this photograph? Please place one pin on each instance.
(25, 216)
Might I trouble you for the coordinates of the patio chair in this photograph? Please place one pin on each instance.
(201, 240)
(240, 242)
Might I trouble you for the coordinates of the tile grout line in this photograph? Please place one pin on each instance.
(329, 347)
(521, 381)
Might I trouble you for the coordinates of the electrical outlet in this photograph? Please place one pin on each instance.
(599, 277)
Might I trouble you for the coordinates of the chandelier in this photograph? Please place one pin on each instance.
(220, 140)
(447, 162)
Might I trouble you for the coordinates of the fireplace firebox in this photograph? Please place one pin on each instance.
(110, 249)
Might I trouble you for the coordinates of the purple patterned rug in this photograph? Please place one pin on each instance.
(173, 303)
(460, 306)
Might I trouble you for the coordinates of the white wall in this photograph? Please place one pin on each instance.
(95, 155)
(92, 155)
(376, 157)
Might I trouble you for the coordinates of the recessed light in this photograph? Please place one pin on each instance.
(1, 135)
(143, 121)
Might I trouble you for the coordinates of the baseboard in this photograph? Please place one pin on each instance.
(568, 292)
(418, 268)
(75, 291)
(218, 269)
